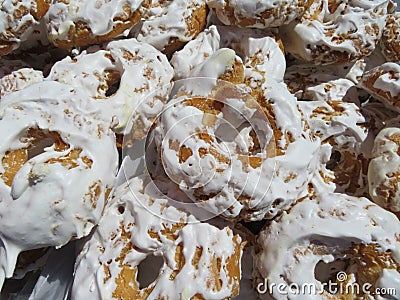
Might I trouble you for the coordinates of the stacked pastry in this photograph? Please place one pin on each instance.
(266, 137)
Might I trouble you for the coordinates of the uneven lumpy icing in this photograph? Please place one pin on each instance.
(360, 237)
(263, 54)
(52, 140)
(333, 31)
(258, 13)
(140, 74)
(383, 82)
(18, 80)
(16, 21)
(220, 147)
(390, 42)
(168, 25)
(81, 23)
(383, 169)
(224, 112)
(139, 224)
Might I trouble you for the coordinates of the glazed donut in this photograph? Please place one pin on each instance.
(17, 19)
(143, 74)
(142, 229)
(258, 14)
(342, 126)
(336, 32)
(18, 80)
(390, 42)
(260, 53)
(168, 25)
(314, 83)
(384, 168)
(229, 177)
(59, 163)
(76, 23)
(318, 239)
(383, 83)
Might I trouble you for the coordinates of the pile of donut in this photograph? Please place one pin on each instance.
(270, 133)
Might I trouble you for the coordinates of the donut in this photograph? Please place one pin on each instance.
(342, 126)
(383, 170)
(133, 79)
(258, 52)
(383, 83)
(258, 14)
(145, 248)
(336, 32)
(168, 25)
(390, 42)
(264, 132)
(17, 19)
(77, 23)
(335, 239)
(58, 165)
(314, 83)
(18, 80)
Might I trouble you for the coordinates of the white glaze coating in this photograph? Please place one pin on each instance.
(18, 80)
(100, 17)
(165, 21)
(16, 21)
(145, 77)
(316, 83)
(140, 221)
(52, 198)
(383, 83)
(329, 119)
(322, 229)
(259, 52)
(230, 180)
(195, 52)
(257, 13)
(390, 42)
(346, 34)
(384, 168)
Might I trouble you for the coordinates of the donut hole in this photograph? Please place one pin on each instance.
(37, 141)
(113, 83)
(39, 147)
(148, 270)
(334, 160)
(327, 272)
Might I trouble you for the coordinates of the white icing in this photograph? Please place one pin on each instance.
(18, 80)
(383, 83)
(353, 30)
(168, 20)
(99, 16)
(48, 204)
(317, 83)
(389, 282)
(383, 170)
(145, 81)
(286, 246)
(195, 52)
(259, 52)
(390, 41)
(138, 209)
(281, 177)
(16, 20)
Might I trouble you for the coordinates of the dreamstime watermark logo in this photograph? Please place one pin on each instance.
(341, 287)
